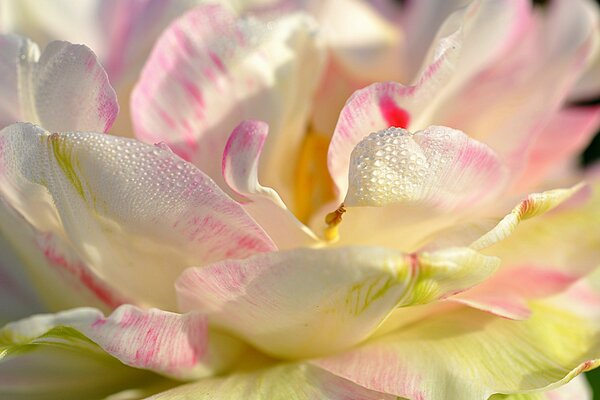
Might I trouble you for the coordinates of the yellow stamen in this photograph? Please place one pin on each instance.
(333, 220)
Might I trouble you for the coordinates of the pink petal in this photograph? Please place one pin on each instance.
(565, 135)
(506, 294)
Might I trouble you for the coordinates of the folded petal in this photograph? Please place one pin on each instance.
(541, 257)
(287, 381)
(65, 88)
(534, 205)
(240, 171)
(282, 302)
(211, 70)
(136, 214)
(490, 27)
(439, 166)
(469, 354)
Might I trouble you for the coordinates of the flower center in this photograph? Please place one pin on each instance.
(313, 186)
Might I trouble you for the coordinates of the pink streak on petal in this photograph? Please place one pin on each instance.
(80, 272)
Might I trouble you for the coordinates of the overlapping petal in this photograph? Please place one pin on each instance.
(210, 70)
(240, 171)
(538, 256)
(64, 88)
(135, 214)
(283, 302)
(469, 354)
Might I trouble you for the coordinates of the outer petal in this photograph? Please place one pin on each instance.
(291, 381)
(59, 362)
(63, 89)
(210, 70)
(468, 354)
(171, 344)
(439, 166)
(147, 213)
(283, 302)
(240, 170)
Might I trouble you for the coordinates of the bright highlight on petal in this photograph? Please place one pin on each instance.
(283, 302)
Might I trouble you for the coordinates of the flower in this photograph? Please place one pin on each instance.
(384, 255)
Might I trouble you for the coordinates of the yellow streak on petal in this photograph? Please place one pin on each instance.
(313, 185)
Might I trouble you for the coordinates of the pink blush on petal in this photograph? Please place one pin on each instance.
(394, 115)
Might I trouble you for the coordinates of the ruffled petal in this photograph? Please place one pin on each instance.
(41, 360)
(135, 214)
(63, 89)
(282, 302)
(175, 345)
